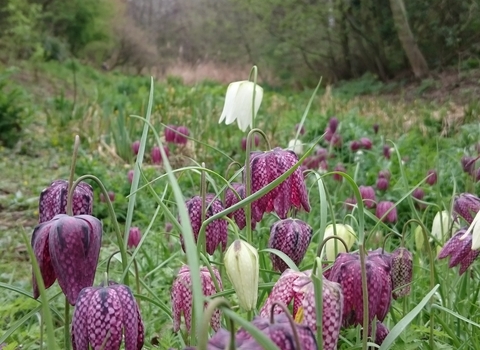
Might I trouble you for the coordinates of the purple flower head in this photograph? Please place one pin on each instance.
(336, 140)
(168, 227)
(321, 153)
(104, 316)
(350, 202)
(333, 124)
(382, 183)
(292, 192)
(182, 297)
(181, 136)
(466, 205)
(156, 155)
(53, 200)
(232, 199)
(302, 129)
(402, 267)
(368, 196)
(134, 237)
(383, 207)
(67, 249)
(375, 128)
(418, 193)
(339, 167)
(111, 196)
(385, 174)
(459, 250)
(135, 147)
(381, 332)
(355, 145)
(256, 142)
(386, 151)
(311, 162)
(468, 164)
(431, 177)
(366, 143)
(216, 231)
(292, 237)
(346, 271)
(170, 133)
(130, 175)
(298, 287)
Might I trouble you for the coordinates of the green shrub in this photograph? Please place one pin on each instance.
(10, 115)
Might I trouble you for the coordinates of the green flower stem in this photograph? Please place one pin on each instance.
(253, 74)
(72, 175)
(207, 316)
(66, 327)
(317, 279)
(111, 211)
(320, 248)
(201, 239)
(432, 271)
(209, 267)
(290, 320)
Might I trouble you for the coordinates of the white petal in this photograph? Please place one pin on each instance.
(243, 104)
(229, 106)
(475, 228)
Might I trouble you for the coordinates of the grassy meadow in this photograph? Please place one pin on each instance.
(53, 102)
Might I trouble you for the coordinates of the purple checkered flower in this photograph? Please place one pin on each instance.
(156, 155)
(67, 249)
(402, 267)
(466, 205)
(298, 287)
(459, 250)
(292, 237)
(104, 316)
(431, 177)
(181, 136)
(346, 271)
(53, 200)
(382, 183)
(333, 124)
(383, 207)
(216, 231)
(232, 199)
(292, 192)
(368, 196)
(135, 147)
(182, 297)
(366, 143)
(381, 332)
(134, 237)
(170, 133)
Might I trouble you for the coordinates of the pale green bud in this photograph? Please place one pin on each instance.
(242, 266)
(441, 226)
(419, 238)
(334, 246)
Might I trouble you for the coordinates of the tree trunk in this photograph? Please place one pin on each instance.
(415, 57)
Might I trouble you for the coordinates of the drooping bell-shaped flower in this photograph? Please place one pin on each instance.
(53, 200)
(341, 168)
(441, 226)
(181, 136)
(298, 287)
(231, 198)
(156, 155)
(292, 192)
(334, 246)
(170, 133)
(346, 271)
(375, 128)
(256, 142)
(130, 176)
(239, 103)
(386, 151)
(355, 145)
(292, 237)
(431, 177)
(280, 332)
(134, 237)
(242, 267)
(388, 208)
(216, 231)
(296, 146)
(382, 183)
(302, 129)
(402, 267)
(104, 316)
(366, 143)
(111, 196)
(67, 249)
(182, 296)
(381, 332)
(468, 164)
(466, 205)
(368, 196)
(459, 249)
(333, 124)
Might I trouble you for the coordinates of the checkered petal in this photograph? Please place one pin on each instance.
(232, 199)
(402, 267)
(80, 319)
(282, 292)
(467, 206)
(53, 200)
(292, 237)
(42, 253)
(74, 244)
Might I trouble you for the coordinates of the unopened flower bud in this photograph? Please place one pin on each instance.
(334, 246)
(431, 177)
(242, 267)
(134, 237)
